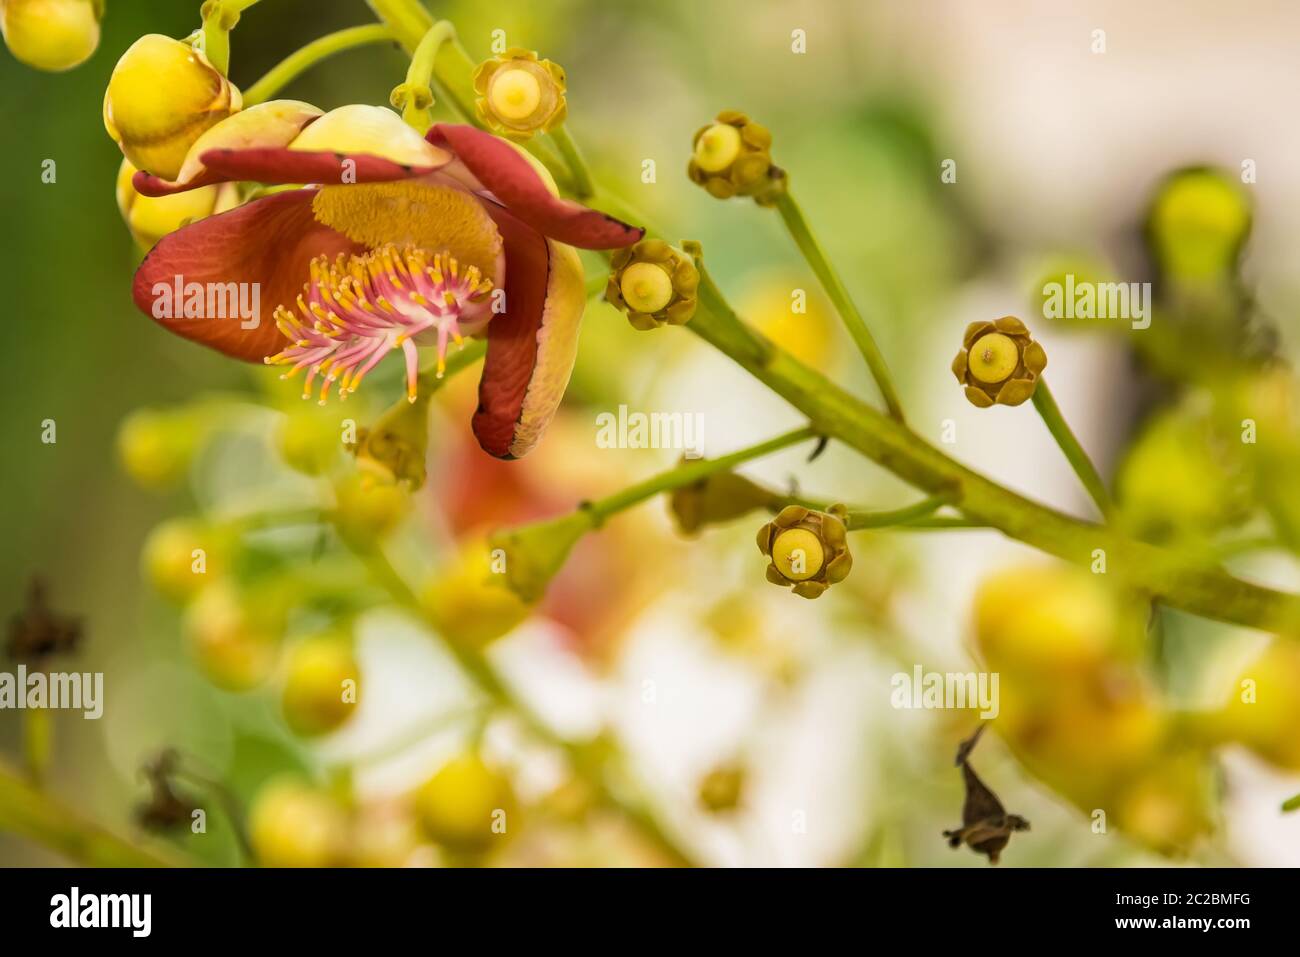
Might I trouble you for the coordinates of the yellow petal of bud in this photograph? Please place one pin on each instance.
(53, 35)
(798, 554)
(150, 218)
(993, 358)
(646, 287)
(717, 148)
(162, 96)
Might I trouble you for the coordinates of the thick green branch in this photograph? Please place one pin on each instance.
(36, 815)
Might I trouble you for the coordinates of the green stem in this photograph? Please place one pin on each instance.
(581, 176)
(1046, 405)
(415, 96)
(898, 516)
(298, 62)
(38, 743)
(219, 18)
(1161, 573)
(689, 474)
(37, 816)
(452, 66)
(831, 282)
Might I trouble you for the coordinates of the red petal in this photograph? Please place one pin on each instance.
(147, 184)
(270, 242)
(531, 346)
(500, 168)
(278, 165)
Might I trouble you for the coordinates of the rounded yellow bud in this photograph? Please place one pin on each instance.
(150, 218)
(468, 599)
(236, 645)
(1264, 710)
(466, 805)
(162, 96)
(182, 555)
(155, 448)
(646, 287)
(515, 94)
(798, 554)
(310, 438)
(717, 148)
(52, 35)
(1199, 220)
(993, 358)
(293, 825)
(368, 511)
(320, 688)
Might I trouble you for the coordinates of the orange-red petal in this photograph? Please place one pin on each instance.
(269, 242)
(511, 178)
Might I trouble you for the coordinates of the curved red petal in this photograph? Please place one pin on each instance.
(532, 345)
(263, 248)
(279, 165)
(512, 179)
(147, 184)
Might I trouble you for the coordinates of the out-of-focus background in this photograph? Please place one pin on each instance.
(706, 676)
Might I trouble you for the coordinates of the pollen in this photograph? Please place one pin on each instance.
(354, 310)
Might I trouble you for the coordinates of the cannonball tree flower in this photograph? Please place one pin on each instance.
(999, 362)
(400, 241)
(53, 35)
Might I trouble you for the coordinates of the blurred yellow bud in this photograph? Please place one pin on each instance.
(1264, 710)
(182, 555)
(1182, 477)
(1199, 220)
(468, 600)
(52, 35)
(791, 313)
(466, 805)
(291, 824)
(310, 437)
(1047, 618)
(150, 218)
(366, 511)
(322, 683)
(234, 637)
(383, 835)
(1166, 806)
(156, 447)
(162, 96)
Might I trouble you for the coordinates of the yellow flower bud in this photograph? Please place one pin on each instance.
(999, 363)
(807, 549)
(367, 511)
(156, 447)
(150, 218)
(310, 437)
(732, 157)
(654, 283)
(52, 35)
(234, 637)
(722, 788)
(321, 684)
(294, 825)
(468, 600)
(466, 806)
(1198, 223)
(1264, 710)
(162, 96)
(182, 555)
(520, 95)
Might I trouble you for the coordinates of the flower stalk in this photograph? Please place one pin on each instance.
(301, 60)
(812, 251)
(219, 18)
(1050, 412)
(415, 97)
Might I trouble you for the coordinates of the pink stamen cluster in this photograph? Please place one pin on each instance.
(356, 309)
